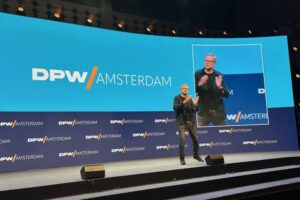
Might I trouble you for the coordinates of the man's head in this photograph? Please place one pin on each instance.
(210, 61)
(184, 89)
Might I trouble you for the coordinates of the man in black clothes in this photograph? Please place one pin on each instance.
(211, 90)
(185, 107)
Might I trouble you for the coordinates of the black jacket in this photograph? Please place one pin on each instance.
(210, 96)
(182, 110)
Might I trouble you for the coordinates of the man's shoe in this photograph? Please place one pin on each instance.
(197, 157)
(182, 161)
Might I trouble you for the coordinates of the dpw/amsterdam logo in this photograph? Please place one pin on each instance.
(148, 134)
(102, 136)
(236, 130)
(210, 144)
(247, 116)
(41, 74)
(124, 121)
(42, 139)
(235, 117)
(76, 123)
(226, 131)
(10, 124)
(214, 144)
(143, 134)
(165, 120)
(115, 121)
(15, 123)
(48, 139)
(169, 146)
(67, 123)
(257, 142)
(119, 150)
(93, 137)
(76, 153)
(68, 154)
(8, 158)
(127, 149)
(15, 157)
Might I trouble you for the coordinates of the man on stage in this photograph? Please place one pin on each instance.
(185, 107)
(211, 90)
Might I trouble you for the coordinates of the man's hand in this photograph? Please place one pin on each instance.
(219, 80)
(187, 99)
(203, 80)
(195, 100)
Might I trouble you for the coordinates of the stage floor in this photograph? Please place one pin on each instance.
(43, 177)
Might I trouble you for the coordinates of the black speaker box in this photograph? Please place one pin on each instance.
(214, 159)
(92, 171)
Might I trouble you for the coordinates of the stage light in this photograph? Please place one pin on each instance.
(149, 28)
(58, 13)
(173, 31)
(225, 33)
(295, 48)
(297, 75)
(121, 24)
(90, 19)
(250, 32)
(200, 32)
(275, 31)
(20, 9)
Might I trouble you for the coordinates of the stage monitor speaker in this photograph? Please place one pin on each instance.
(214, 159)
(92, 171)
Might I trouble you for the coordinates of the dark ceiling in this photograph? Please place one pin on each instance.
(230, 15)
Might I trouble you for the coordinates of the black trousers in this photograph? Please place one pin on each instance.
(211, 117)
(191, 128)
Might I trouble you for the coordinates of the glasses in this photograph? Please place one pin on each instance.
(211, 61)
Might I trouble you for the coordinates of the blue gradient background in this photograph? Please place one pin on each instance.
(27, 43)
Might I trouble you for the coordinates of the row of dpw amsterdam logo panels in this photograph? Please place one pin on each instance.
(51, 131)
(53, 140)
(28, 120)
(110, 149)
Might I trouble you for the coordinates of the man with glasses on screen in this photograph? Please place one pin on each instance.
(185, 108)
(211, 90)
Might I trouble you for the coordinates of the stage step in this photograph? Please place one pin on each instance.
(159, 178)
(194, 186)
(282, 189)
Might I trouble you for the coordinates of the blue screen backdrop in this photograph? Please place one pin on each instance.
(73, 95)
